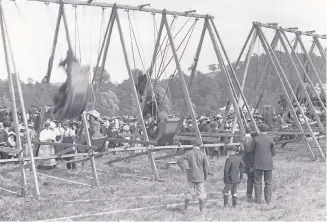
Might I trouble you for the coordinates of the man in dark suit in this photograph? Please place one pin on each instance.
(248, 159)
(264, 149)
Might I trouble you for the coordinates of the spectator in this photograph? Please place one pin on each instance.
(196, 164)
(264, 149)
(233, 174)
(248, 159)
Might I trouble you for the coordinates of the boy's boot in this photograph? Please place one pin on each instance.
(201, 203)
(186, 203)
(234, 201)
(225, 200)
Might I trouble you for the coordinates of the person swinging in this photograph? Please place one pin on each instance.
(61, 96)
(72, 96)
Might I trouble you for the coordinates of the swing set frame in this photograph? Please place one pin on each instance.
(217, 44)
(280, 36)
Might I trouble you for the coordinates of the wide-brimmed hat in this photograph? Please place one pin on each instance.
(95, 114)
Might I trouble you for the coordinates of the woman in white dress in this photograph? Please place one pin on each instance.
(47, 135)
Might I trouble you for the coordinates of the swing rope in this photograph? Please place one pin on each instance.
(101, 27)
(187, 42)
(163, 58)
(188, 34)
(134, 36)
(79, 40)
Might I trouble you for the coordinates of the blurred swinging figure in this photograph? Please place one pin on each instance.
(60, 98)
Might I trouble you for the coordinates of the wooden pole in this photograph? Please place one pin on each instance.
(49, 70)
(300, 81)
(183, 83)
(320, 48)
(70, 48)
(25, 121)
(91, 152)
(103, 43)
(312, 65)
(303, 68)
(234, 76)
(264, 67)
(243, 48)
(256, 107)
(221, 61)
(193, 71)
(245, 72)
(295, 31)
(282, 75)
(124, 7)
(126, 157)
(68, 181)
(107, 40)
(139, 111)
(13, 102)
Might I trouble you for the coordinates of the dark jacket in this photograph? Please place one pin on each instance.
(233, 170)
(264, 149)
(248, 156)
(197, 165)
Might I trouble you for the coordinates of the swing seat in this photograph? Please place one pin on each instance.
(167, 130)
(77, 94)
(100, 143)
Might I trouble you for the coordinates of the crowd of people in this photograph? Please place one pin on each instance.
(127, 127)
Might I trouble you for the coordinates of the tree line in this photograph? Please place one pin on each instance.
(209, 90)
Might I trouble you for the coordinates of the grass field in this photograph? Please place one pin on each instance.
(299, 193)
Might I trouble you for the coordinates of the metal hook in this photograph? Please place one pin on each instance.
(189, 11)
(143, 5)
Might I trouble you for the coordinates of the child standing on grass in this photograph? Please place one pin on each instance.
(196, 164)
(233, 174)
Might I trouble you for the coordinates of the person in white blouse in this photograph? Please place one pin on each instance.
(47, 135)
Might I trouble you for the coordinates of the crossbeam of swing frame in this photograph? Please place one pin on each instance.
(125, 7)
(291, 30)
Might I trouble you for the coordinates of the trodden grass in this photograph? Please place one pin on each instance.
(299, 193)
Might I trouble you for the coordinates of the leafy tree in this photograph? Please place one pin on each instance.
(213, 67)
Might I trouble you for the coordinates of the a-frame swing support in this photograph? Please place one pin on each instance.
(288, 91)
(61, 15)
(14, 108)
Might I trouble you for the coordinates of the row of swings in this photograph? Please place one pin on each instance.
(74, 95)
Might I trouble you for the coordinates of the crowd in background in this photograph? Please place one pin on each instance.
(125, 127)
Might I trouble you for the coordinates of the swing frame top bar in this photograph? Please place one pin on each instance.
(292, 30)
(125, 7)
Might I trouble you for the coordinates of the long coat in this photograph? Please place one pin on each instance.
(264, 149)
(233, 170)
(197, 165)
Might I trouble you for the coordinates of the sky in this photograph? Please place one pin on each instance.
(30, 28)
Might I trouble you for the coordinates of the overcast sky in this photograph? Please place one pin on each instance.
(31, 29)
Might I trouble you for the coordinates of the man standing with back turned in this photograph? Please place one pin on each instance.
(264, 149)
(196, 163)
